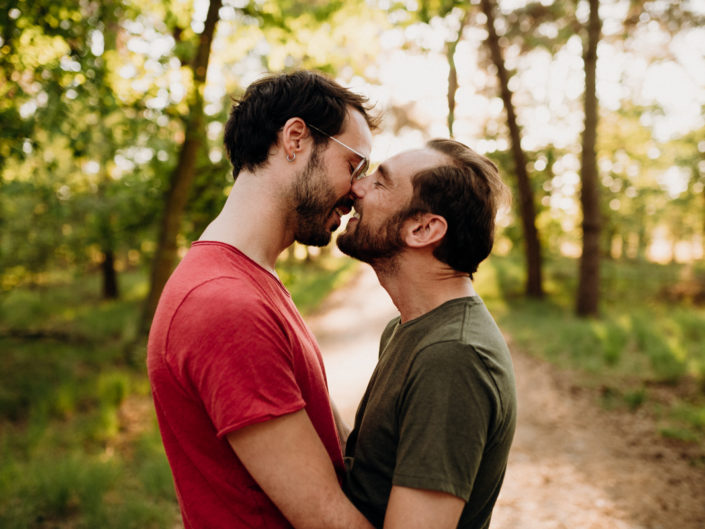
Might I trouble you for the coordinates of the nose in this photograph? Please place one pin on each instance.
(359, 187)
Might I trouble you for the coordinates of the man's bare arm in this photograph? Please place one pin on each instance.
(420, 509)
(288, 460)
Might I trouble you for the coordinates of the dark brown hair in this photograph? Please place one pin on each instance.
(466, 192)
(268, 103)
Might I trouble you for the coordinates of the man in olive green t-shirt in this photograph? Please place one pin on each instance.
(432, 434)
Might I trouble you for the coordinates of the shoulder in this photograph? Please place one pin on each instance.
(222, 306)
(451, 364)
(451, 356)
(470, 356)
(223, 294)
(463, 332)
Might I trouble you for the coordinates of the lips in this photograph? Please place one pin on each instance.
(344, 206)
(352, 219)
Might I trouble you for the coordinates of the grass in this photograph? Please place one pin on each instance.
(643, 350)
(79, 445)
(63, 388)
(77, 450)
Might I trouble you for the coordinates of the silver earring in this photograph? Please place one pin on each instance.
(293, 157)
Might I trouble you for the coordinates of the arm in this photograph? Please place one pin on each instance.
(287, 459)
(420, 509)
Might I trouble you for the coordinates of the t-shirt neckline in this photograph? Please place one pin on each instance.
(474, 299)
(235, 249)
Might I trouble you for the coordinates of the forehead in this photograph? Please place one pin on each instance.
(403, 166)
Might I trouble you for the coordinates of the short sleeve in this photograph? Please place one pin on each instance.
(232, 348)
(444, 413)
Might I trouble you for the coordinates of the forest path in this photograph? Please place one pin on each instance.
(573, 464)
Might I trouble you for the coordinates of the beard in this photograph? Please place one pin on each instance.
(376, 246)
(314, 201)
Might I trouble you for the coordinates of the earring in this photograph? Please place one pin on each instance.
(293, 157)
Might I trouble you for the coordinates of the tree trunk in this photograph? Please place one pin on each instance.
(608, 240)
(453, 73)
(534, 282)
(107, 152)
(107, 243)
(589, 280)
(110, 284)
(184, 173)
(703, 234)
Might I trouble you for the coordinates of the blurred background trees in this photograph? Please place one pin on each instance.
(111, 163)
(107, 106)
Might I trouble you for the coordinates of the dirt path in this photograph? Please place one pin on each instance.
(572, 466)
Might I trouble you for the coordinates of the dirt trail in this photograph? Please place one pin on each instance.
(573, 465)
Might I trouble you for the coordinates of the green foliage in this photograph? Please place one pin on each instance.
(309, 282)
(93, 116)
(54, 467)
(51, 489)
(641, 339)
(154, 473)
(684, 420)
(86, 491)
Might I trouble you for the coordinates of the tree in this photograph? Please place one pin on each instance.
(60, 58)
(452, 71)
(107, 104)
(534, 283)
(184, 173)
(689, 155)
(588, 295)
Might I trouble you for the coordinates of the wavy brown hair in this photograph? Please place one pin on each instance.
(256, 118)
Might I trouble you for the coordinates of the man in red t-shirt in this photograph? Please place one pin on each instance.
(237, 378)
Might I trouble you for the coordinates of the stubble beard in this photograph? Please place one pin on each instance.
(378, 248)
(314, 201)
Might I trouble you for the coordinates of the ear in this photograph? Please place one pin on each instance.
(424, 229)
(292, 135)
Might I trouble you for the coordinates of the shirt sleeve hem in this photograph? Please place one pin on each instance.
(260, 418)
(434, 484)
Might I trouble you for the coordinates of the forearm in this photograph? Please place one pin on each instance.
(316, 500)
(329, 511)
(287, 459)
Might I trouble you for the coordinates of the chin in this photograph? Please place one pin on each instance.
(317, 239)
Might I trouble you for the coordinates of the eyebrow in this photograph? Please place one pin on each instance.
(384, 174)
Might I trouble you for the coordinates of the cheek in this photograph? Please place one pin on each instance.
(339, 179)
(345, 188)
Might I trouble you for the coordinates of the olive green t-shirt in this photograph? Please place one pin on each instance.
(439, 413)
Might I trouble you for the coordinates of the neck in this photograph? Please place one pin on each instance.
(418, 284)
(254, 220)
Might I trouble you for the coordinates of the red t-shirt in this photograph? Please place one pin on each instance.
(227, 349)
